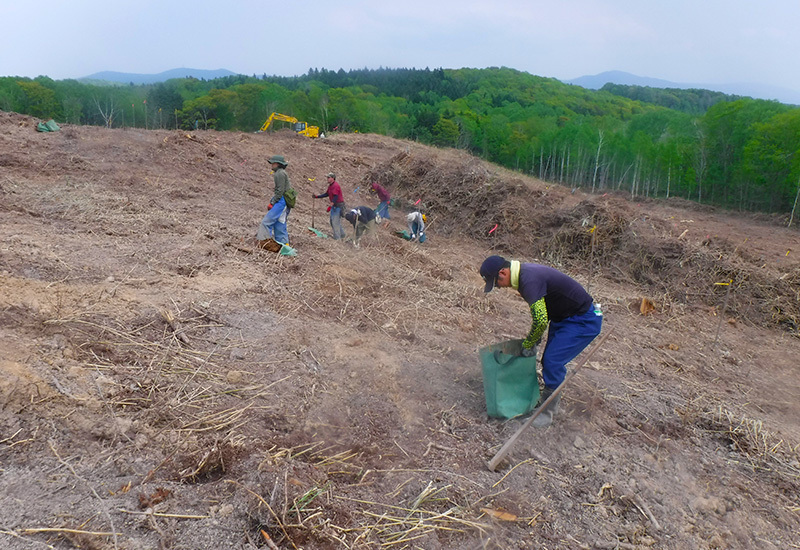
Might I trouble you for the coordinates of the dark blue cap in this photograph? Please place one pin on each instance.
(489, 269)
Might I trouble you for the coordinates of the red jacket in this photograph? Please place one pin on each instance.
(334, 193)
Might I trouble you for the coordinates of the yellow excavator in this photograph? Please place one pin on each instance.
(298, 126)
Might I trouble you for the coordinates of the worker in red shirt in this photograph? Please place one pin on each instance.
(334, 194)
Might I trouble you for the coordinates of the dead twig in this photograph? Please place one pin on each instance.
(17, 536)
(268, 539)
(643, 508)
(436, 446)
(175, 325)
(154, 470)
(161, 515)
(614, 546)
(508, 473)
(64, 530)
(102, 502)
(271, 511)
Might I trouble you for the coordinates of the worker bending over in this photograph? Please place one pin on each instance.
(416, 226)
(361, 218)
(558, 299)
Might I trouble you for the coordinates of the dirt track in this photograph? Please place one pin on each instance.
(162, 386)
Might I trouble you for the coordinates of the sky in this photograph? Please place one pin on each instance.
(682, 41)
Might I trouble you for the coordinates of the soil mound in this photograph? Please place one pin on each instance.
(604, 235)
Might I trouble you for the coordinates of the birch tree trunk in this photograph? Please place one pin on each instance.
(791, 218)
(541, 162)
(622, 178)
(702, 160)
(634, 184)
(106, 113)
(597, 158)
(669, 178)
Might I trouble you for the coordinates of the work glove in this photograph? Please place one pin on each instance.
(313, 196)
(269, 207)
(530, 352)
(329, 209)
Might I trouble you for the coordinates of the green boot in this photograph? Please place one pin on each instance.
(545, 418)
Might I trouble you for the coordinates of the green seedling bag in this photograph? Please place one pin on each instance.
(509, 380)
(49, 126)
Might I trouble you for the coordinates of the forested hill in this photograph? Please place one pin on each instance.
(691, 100)
(735, 152)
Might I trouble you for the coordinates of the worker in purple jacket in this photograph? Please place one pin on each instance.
(558, 299)
(385, 198)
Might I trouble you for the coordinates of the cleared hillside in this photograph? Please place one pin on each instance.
(165, 386)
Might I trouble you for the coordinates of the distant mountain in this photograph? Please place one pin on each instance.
(758, 91)
(595, 82)
(127, 78)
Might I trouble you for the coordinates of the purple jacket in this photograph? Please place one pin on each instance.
(383, 194)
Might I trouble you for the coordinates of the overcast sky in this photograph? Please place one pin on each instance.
(683, 41)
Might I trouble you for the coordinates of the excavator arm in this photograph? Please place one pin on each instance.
(298, 126)
(277, 116)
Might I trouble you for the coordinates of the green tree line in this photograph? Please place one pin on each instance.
(703, 146)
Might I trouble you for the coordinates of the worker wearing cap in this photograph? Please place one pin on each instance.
(273, 226)
(385, 198)
(361, 218)
(336, 208)
(555, 298)
(416, 226)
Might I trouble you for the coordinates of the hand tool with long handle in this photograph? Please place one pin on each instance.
(501, 454)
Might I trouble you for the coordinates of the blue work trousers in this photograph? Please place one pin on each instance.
(273, 226)
(383, 210)
(565, 340)
(336, 222)
(413, 229)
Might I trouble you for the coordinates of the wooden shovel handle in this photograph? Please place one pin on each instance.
(501, 454)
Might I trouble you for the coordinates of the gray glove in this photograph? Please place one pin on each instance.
(531, 351)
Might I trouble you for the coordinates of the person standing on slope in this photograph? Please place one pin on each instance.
(385, 198)
(336, 208)
(273, 226)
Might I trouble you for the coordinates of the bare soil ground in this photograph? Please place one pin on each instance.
(163, 385)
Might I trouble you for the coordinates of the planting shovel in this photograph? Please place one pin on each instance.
(313, 227)
(501, 454)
